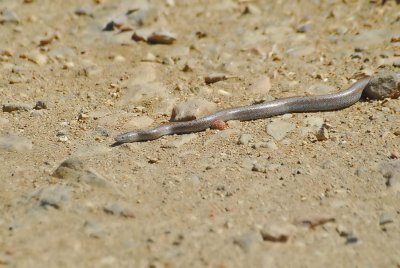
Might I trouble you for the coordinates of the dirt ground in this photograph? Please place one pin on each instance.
(273, 192)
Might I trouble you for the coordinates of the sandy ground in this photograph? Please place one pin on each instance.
(284, 196)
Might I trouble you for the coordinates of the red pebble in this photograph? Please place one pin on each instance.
(218, 124)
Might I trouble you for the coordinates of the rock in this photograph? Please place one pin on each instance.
(119, 210)
(328, 164)
(15, 144)
(245, 139)
(8, 16)
(322, 134)
(213, 78)
(247, 241)
(304, 28)
(262, 85)
(320, 89)
(74, 170)
(52, 196)
(91, 69)
(93, 229)
(385, 218)
(84, 11)
(16, 106)
(192, 109)
(312, 124)
(383, 86)
(279, 129)
(166, 38)
(277, 232)
(40, 105)
(391, 171)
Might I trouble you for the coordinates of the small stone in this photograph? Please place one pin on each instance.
(8, 16)
(213, 78)
(245, 139)
(383, 86)
(38, 58)
(322, 134)
(84, 11)
(93, 229)
(246, 241)
(52, 196)
(40, 105)
(165, 38)
(395, 155)
(279, 129)
(261, 85)
(73, 169)
(276, 232)
(192, 109)
(91, 69)
(351, 238)
(385, 218)
(15, 144)
(16, 106)
(119, 210)
(304, 28)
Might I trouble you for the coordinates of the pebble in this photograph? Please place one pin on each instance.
(213, 78)
(192, 109)
(320, 89)
(328, 164)
(277, 232)
(247, 241)
(73, 169)
(304, 28)
(40, 105)
(84, 11)
(93, 229)
(52, 196)
(391, 172)
(383, 86)
(164, 37)
(16, 106)
(90, 69)
(262, 85)
(118, 210)
(350, 236)
(322, 134)
(8, 16)
(312, 125)
(265, 144)
(245, 139)
(15, 144)
(385, 218)
(279, 129)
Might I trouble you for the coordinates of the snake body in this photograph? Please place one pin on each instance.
(329, 102)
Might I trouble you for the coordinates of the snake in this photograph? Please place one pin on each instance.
(298, 104)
